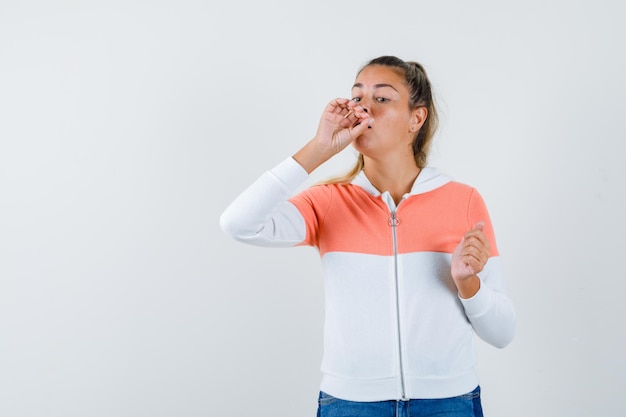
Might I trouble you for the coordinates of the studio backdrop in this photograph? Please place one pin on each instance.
(126, 127)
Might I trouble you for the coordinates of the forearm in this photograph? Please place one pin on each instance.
(492, 316)
(489, 309)
(261, 214)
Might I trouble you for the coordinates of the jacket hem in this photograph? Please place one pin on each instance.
(386, 389)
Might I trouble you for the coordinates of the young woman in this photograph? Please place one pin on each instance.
(411, 268)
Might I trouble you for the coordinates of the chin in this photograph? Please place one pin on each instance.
(362, 143)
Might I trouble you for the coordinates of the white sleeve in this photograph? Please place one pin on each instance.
(490, 311)
(261, 215)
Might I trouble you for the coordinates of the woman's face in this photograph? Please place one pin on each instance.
(382, 92)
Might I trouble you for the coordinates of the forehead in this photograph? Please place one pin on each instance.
(379, 74)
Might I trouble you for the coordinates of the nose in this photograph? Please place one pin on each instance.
(365, 104)
(366, 111)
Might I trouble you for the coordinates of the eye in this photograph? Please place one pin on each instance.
(356, 99)
(382, 99)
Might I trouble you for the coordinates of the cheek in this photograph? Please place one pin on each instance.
(392, 120)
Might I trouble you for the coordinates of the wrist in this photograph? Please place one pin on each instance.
(312, 155)
(468, 287)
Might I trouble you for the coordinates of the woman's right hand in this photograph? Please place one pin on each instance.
(342, 121)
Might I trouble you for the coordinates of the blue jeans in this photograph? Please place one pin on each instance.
(467, 405)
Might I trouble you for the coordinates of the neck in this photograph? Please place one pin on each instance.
(396, 177)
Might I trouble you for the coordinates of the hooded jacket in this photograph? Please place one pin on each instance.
(395, 327)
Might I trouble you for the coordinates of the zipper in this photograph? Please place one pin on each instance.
(394, 222)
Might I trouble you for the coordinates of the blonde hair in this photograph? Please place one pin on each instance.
(420, 95)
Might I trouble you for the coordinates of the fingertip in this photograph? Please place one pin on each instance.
(480, 225)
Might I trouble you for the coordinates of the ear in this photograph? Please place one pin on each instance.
(418, 117)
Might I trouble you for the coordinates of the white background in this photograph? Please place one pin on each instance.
(127, 126)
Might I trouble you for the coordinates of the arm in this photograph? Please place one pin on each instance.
(490, 310)
(261, 215)
(477, 273)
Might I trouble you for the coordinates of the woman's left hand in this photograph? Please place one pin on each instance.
(471, 255)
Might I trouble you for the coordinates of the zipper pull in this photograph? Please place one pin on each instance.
(393, 221)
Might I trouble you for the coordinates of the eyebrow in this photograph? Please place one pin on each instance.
(359, 85)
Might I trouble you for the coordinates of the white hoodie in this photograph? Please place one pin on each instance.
(395, 327)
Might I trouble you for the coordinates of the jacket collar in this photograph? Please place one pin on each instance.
(428, 179)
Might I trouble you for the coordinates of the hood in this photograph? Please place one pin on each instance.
(427, 180)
